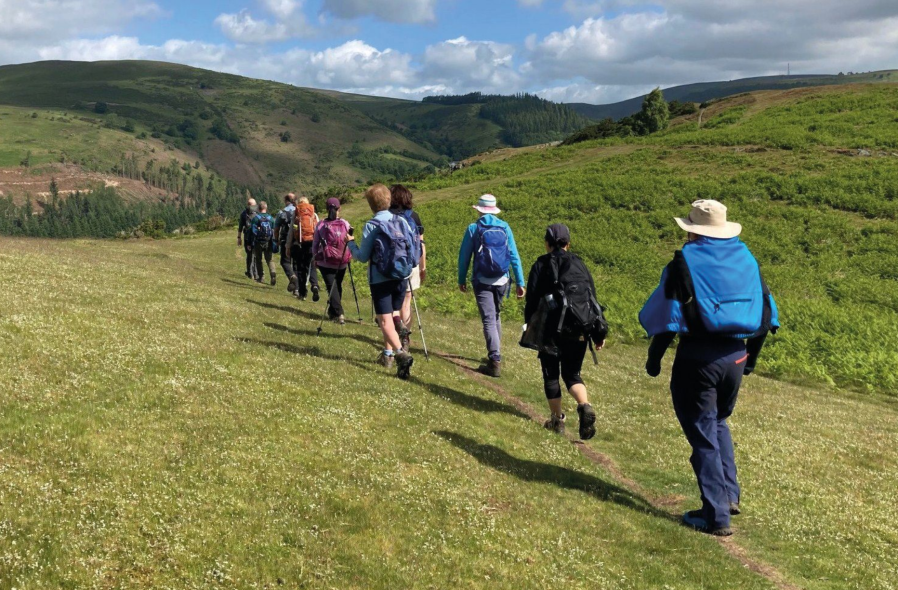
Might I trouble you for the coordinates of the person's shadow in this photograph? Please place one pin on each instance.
(534, 471)
(329, 330)
(471, 402)
(305, 351)
(293, 310)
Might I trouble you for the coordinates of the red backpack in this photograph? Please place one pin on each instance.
(332, 251)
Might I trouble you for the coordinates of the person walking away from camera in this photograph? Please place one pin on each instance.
(263, 243)
(402, 204)
(713, 296)
(281, 232)
(562, 305)
(303, 234)
(490, 243)
(332, 257)
(245, 236)
(388, 245)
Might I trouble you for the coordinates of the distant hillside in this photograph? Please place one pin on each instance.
(252, 132)
(463, 126)
(709, 90)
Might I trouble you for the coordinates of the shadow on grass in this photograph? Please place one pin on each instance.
(534, 471)
(305, 350)
(471, 402)
(295, 311)
(329, 330)
(247, 284)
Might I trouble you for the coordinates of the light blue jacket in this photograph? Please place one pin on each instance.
(466, 254)
(364, 252)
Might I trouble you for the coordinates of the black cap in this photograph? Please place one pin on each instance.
(558, 234)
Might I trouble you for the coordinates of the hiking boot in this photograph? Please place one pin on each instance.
(696, 520)
(386, 360)
(735, 510)
(291, 287)
(404, 362)
(274, 280)
(249, 275)
(491, 368)
(555, 424)
(316, 294)
(405, 336)
(258, 279)
(587, 421)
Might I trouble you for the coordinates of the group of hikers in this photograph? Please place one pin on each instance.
(711, 295)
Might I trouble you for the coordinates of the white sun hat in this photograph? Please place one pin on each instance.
(487, 205)
(709, 218)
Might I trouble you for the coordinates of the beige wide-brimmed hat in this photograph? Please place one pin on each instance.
(709, 218)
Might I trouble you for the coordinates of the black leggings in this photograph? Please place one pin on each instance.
(567, 365)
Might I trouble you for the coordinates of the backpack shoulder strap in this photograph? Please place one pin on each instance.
(679, 287)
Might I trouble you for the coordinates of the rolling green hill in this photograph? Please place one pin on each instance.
(252, 132)
(706, 91)
(234, 125)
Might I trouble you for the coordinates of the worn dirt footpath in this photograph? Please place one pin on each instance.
(663, 504)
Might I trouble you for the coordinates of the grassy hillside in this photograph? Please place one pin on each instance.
(179, 426)
(179, 106)
(706, 91)
(812, 174)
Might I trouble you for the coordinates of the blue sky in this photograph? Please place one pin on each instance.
(568, 50)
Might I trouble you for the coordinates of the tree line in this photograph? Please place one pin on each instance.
(103, 213)
(526, 119)
(653, 117)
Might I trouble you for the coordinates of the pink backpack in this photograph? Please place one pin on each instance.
(332, 251)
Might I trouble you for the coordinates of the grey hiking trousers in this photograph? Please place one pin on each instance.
(261, 251)
(489, 302)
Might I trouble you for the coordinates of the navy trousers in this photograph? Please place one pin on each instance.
(705, 382)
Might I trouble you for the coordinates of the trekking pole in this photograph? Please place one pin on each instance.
(329, 293)
(354, 294)
(418, 315)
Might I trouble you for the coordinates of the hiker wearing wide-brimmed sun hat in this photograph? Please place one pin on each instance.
(713, 296)
(490, 243)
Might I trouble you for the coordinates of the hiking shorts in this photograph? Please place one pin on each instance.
(388, 296)
(416, 278)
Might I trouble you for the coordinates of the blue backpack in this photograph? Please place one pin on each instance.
(396, 249)
(407, 213)
(492, 257)
(263, 229)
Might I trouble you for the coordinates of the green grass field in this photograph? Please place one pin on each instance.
(168, 423)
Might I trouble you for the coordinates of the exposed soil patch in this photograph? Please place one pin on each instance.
(229, 160)
(21, 183)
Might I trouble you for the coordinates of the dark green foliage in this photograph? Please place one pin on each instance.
(605, 129)
(101, 108)
(286, 137)
(679, 109)
(128, 126)
(316, 117)
(223, 131)
(526, 119)
(387, 164)
(655, 113)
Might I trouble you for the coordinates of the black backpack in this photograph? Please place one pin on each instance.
(581, 314)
